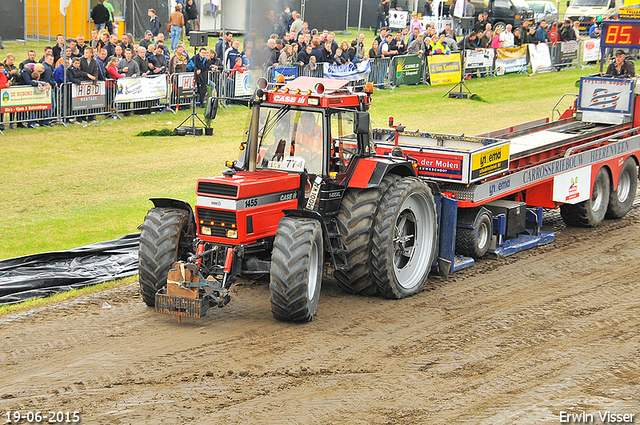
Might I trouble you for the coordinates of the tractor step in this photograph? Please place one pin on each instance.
(336, 245)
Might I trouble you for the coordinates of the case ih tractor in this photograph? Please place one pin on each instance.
(315, 185)
(307, 190)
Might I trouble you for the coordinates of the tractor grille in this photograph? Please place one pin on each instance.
(222, 220)
(218, 189)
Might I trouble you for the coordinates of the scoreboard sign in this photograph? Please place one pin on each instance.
(622, 34)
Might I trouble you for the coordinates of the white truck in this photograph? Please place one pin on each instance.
(586, 11)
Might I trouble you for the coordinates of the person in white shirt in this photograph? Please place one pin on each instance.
(506, 38)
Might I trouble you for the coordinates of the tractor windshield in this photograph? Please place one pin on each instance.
(290, 140)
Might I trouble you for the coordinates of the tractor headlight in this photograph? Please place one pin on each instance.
(205, 230)
(232, 234)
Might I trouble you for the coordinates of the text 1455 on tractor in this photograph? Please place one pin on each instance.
(315, 185)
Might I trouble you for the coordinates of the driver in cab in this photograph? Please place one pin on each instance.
(309, 134)
(621, 67)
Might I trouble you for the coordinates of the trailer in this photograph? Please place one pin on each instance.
(317, 187)
(498, 183)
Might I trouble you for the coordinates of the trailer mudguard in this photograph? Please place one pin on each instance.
(369, 172)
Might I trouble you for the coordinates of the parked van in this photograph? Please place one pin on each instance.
(586, 11)
(503, 12)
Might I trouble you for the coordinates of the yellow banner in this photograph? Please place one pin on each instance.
(489, 162)
(511, 52)
(444, 69)
(629, 12)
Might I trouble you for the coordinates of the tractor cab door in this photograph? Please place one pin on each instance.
(345, 140)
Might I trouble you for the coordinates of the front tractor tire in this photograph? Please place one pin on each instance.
(297, 263)
(404, 238)
(591, 212)
(163, 241)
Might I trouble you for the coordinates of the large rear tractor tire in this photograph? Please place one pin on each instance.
(355, 221)
(163, 241)
(404, 238)
(474, 242)
(591, 212)
(621, 199)
(296, 269)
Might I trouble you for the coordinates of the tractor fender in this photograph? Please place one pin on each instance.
(177, 204)
(369, 172)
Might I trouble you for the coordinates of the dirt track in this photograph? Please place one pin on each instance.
(511, 341)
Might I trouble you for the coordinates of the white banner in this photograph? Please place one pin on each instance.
(474, 59)
(540, 58)
(349, 71)
(591, 50)
(398, 19)
(245, 83)
(511, 59)
(142, 88)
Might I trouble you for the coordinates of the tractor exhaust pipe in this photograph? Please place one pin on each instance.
(255, 124)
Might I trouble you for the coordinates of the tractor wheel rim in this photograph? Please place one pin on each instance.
(411, 232)
(312, 282)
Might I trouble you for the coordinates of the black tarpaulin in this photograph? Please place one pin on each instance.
(41, 275)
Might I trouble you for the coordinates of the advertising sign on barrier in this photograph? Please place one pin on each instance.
(591, 50)
(407, 69)
(139, 89)
(88, 96)
(289, 72)
(398, 18)
(540, 58)
(444, 69)
(569, 51)
(245, 83)
(24, 99)
(478, 59)
(511, 59)
(186, 85)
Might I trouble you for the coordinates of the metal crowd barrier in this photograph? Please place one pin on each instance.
(379, 73)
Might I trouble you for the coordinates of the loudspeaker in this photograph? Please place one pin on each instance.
(467, 23)
(198, 38)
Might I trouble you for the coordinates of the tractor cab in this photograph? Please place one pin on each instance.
(310, 126)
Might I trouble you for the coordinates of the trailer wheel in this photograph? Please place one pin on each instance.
(296, 269)
(474, 242)
(621, 200)
(163, 241)
(404, 238)
(591, 212)
(355, 221)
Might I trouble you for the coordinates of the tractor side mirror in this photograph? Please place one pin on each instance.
(362, 123)
(568, 3)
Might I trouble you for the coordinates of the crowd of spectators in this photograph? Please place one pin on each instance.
(288, 41)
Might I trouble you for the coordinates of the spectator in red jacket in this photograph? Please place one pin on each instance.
(4, 83)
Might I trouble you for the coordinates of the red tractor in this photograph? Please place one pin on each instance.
(307, 190)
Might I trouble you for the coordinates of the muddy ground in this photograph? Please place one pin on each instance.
(511, 341)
